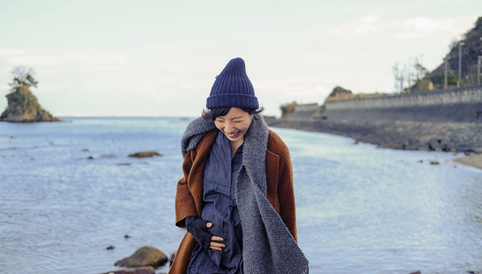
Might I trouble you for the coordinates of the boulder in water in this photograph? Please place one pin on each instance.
(144, 256)
(138, 270)
(144, 154)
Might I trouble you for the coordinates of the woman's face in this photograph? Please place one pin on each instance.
(234, 124)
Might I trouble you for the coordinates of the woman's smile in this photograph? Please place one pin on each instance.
(233, 135)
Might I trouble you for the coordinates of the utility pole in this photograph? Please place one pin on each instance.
(460, 63)
(445, 79)
(408, 75)
(478, 69)
(478, 65)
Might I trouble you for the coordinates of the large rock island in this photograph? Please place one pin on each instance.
(23, 106)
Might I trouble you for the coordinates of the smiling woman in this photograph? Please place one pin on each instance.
(236, 198)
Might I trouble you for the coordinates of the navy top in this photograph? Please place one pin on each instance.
(219, 207)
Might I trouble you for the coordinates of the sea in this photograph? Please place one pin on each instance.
(69, 191)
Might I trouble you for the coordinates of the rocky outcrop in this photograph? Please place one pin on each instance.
(24, 107)
(144, 256)
(404, 135)
(144, 154)
(138, 270)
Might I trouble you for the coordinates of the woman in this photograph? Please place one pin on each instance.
(236, 198)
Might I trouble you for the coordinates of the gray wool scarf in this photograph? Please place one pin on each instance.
(268, 246)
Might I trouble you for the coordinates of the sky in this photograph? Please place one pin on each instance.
(160, 58)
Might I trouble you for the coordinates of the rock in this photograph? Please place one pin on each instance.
(172, 257)
(434, 163)
(108, 156)
(24, 107)
(434, 144)
(110, 247)
(464, 148)
(127, 236)
(144, 256)
(138, 270)
(90, 158)
(416, 272)
(144, 154)
(123, 164)
(85, 150)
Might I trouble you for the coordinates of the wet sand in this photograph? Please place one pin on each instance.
(472, 160)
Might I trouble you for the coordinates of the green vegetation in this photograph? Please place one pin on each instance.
(340, 93)
(287, 109)
(471, 49)
(439, 79)
(22, 77)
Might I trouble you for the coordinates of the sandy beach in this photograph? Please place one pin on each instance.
(472, 160)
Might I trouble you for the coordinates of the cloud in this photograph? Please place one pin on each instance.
(418, 27)
(409, 28)
(367, 25)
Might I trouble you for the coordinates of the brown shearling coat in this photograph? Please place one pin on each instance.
(190, 188)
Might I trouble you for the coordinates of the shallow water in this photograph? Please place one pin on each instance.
(360, 209)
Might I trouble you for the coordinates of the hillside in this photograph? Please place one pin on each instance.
(471, 49)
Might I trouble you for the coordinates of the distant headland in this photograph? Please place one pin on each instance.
(438, 111)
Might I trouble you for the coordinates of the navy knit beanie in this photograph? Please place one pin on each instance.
(232, 88)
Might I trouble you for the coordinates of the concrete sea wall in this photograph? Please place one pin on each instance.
(463, 105)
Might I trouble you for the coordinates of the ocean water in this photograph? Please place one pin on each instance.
(359, 209)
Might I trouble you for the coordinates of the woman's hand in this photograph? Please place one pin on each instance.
(199, 229)
(215, 240)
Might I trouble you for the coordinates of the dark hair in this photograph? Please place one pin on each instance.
(213, 113)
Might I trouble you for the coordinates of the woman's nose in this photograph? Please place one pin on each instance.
(228, 127)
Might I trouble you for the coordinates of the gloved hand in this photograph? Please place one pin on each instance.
(197, 227)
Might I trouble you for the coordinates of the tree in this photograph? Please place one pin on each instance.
(22, 77)
(399, 77)
(421, 71)
(287, 109)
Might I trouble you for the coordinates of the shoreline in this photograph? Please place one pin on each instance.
(472, 160)
(402, 135)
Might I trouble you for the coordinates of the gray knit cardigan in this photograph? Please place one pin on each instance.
(268, 246)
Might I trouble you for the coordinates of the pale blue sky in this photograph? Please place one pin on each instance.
(159, 58)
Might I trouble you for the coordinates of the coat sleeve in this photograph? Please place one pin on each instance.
(185, 204)
(286, 194)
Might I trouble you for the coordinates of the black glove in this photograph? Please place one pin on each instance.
(197, 227)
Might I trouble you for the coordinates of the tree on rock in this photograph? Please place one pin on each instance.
(22, 77)
(22, 104)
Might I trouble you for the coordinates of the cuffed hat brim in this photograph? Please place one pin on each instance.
(232, 100)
